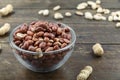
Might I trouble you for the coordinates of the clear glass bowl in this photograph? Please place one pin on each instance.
(50, 61)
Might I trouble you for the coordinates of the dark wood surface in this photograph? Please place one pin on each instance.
(88, 32)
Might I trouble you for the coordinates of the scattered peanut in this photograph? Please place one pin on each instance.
(56, 7)
(92, 4)
(5, 28)
(110, 18)
(68, 14)
(40, 12)
(88, 15)
(58, 16)
(98, 1)
(97, 49)
(100, 10)
(89, 68)
(116, 18)
(99, 17)
(117, 24)
(82, 5)
(46, 12)
(85, 73)
(79, 13)
(6, 10)
(106, 11)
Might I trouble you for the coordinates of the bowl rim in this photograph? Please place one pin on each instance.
(12, 44)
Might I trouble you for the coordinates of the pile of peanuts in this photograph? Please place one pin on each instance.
(100, 12)
(42, 35)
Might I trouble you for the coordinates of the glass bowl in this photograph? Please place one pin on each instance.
(50, 61)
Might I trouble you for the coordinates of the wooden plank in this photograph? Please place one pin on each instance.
(50, 3)
(105, 68)
(88, 33)
(24, 15)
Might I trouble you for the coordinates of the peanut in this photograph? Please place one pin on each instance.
(97, 49)
(88, 15)
(117, 24)
(56, 7)
(6, 10)
(79, 13)
(85, 73)
(58, 16)
(82, 5)
(5, 28)
(68, 14)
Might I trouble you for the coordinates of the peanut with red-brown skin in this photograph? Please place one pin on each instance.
(24, 28)
(63, 45)
(39, 29)
(50, 35)
(54, 28)
(32, 48)
(38, 50)
(37, 43)
(49, 49)
(41, 33)
(56, 39)
(61, 40)
(17, 42)
(46, 39)
(40, 39)
(66, 41)
(51, 41)
(59, 31)
(57, 43)
(26, 45)
(35, 39)
(68, 36)
(32, 23)
(31, 28)
(21, 45)
(28, 38)
(67, 29)
(42, 45)
(56, 47)
(49, 44)
(49, 29)
(30, 42)
(30, 33)
(64, 35)
(46, 34)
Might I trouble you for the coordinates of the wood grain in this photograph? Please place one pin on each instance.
(105, 68)
(88, 32)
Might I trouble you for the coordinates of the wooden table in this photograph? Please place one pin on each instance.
(88, 32)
